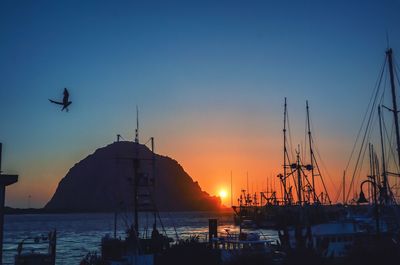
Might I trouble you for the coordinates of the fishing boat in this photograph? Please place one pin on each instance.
(248, 246)
(140, 247)
(244, 246)
(333, 239)
(27, 253)
(136, 248)
(298, 184)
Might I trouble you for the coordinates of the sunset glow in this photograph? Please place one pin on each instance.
(223, 194)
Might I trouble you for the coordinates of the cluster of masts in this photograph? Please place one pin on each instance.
(246, 199)
(379, 189)
(143, 184)
(297, 181)
(303, 176)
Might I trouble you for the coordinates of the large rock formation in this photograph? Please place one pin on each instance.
(103, 181)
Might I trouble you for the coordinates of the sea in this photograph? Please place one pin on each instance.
(79, 234)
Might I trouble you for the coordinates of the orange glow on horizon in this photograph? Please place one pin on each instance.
(261, 159)
(209, 158)
(223, 194)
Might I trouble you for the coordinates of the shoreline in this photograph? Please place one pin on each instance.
(20, 211)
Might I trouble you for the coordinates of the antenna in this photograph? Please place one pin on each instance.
(137, 126)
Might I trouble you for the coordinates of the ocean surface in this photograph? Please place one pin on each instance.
(78, 234)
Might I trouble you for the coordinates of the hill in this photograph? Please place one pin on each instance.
(103, 182)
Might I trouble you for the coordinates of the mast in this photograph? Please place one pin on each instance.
(385, 183)
(136, 164)
(371, 170)
(137, 126)
(299, 190)
(248, 192)
(153, 165)
(394, 110)
(344, 187)
(284, 154)
(311, 152)
(374, 187)
(231, 191)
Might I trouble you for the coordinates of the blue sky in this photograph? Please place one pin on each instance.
(210, 72)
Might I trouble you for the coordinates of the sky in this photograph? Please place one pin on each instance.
(209, 78)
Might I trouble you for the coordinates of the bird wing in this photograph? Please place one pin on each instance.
(65, 107)
(56, 102)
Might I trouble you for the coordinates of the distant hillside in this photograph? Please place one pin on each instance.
(103, 182)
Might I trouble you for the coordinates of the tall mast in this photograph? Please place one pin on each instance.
(385, 184)
(284, 154)
(231, 191)
(299, 186)
(247, 177)
(395, 112)
(136, 164)
(153, 165)
(344, 187)
(311, 152)
(248, 192)
(137, 126)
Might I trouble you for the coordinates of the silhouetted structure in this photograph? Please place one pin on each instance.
(99, 182)
(5, 180)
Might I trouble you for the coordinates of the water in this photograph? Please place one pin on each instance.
(77, 234)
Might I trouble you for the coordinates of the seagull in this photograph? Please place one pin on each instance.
(65, 103)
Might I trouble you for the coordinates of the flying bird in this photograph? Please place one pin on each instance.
(65, 103)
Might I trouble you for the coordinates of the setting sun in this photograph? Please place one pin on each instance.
(223, 194)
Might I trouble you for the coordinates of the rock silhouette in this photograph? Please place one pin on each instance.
(103, 181)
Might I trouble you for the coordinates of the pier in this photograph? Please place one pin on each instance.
(5, 180)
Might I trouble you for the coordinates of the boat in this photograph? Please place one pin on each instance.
(158, 249)
(135, 248)
(333, 239)
(29, 256)
(298, 185)
(244, 247)
(140, 247)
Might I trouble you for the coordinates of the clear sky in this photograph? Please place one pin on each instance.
(209, 78)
